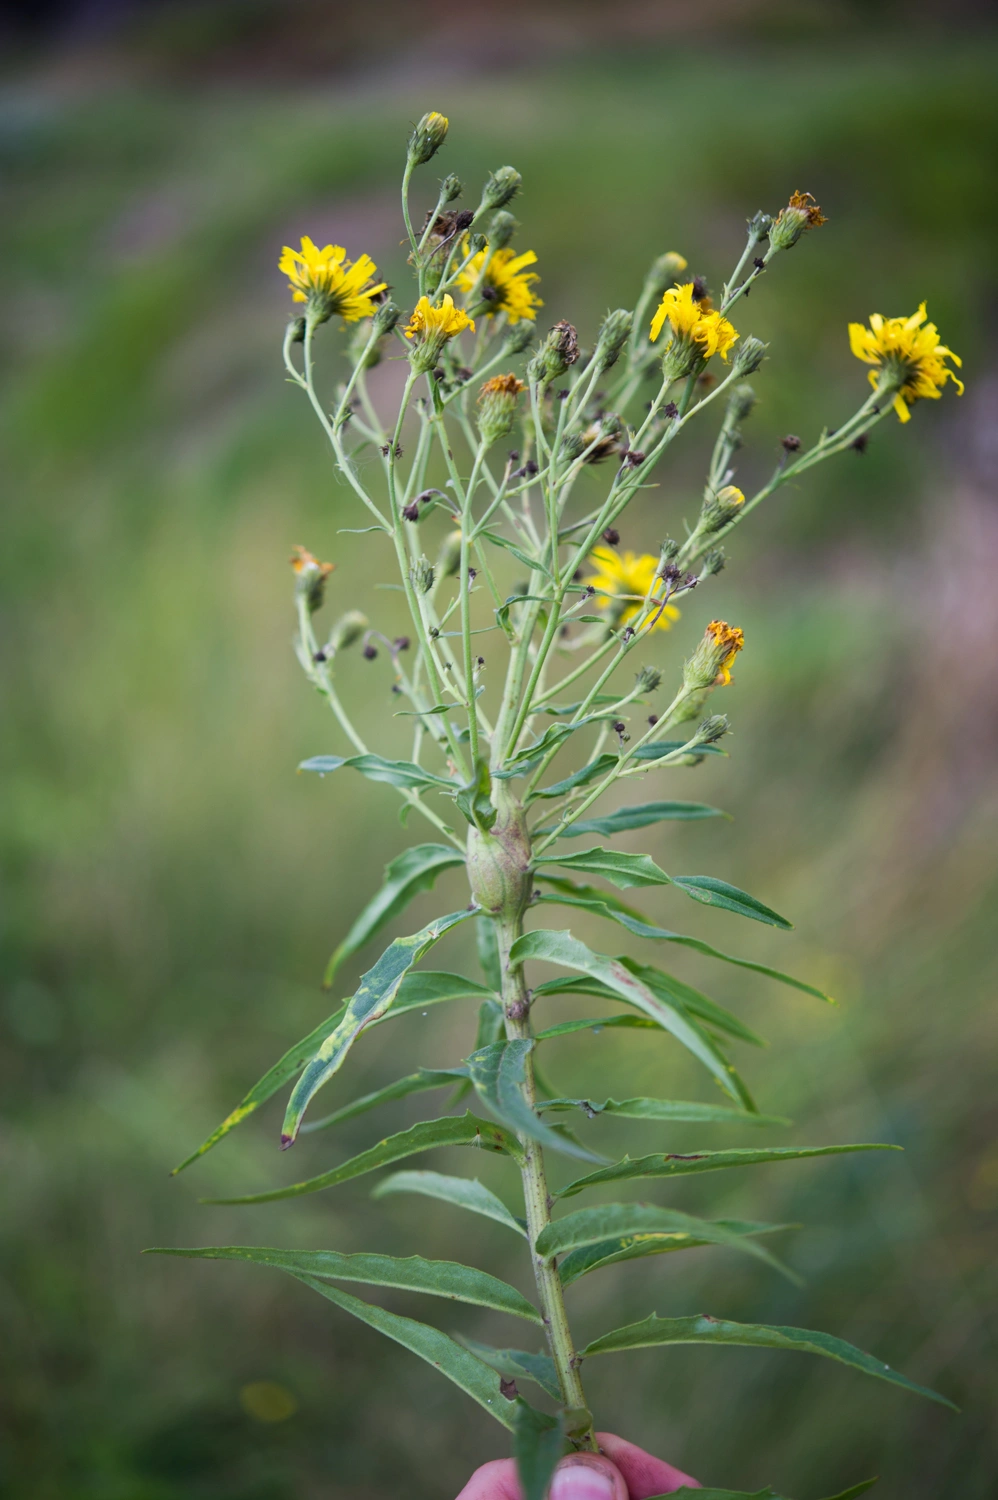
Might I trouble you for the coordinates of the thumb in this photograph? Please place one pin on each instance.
(587, 1476)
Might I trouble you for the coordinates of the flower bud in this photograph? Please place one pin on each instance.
(713, 729)
(749, 356)
(740, 403)
(427, 138)
(497, 407)
(519, 336)
(602, 439)
(759, 226)
(450, 555)
(665, 272)
(386, 316)
(649, 679)
(559, 348)
(719, 509)
(501, 230)
(451, 188)
(712, 563)
(348, 629)
(501, 187)
(669, 551)
(296, 330)
(613, 335)
(310, 578)
(710, 664)
(801, 213)
(421, 575)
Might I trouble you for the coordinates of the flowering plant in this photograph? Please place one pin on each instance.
(481, 765)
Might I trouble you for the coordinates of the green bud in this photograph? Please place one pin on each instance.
(719, 509)
(613, 335)
(670, 551)
(759, 226)
(477, 243)
(497, 407)
(427, 138)
(386, 316)
(713, 729)
(310, 578)
(749, 356)
(790, 223)
(296, 330)
(450, 555)
(501, 230)
(421, 575)
(519, 336)
(451, 188)
(602, 439)
(741, 401)
(665, 272)
(348, 629)
(712, 563)
(501, 187)
(559, 348)
(649, 679)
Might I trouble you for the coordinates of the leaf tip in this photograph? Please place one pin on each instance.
(286, 1141)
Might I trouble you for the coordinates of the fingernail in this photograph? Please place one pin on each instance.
(582, 1482)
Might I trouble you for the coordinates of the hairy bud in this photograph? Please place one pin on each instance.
(450, 555)
(519, 336)
(741, 402)
(713, 563)
(386, 317)
(451, 188)
(497, 407)
(501, 187)
(613, 335)
(801, 213)
(749, 356)
(427, 137)
(559, 348)
(721, 508)
(665, 272)
(348, 629)
(649, 679)
(501, 230)
(710, 664)
(422, 575)
(759, 226)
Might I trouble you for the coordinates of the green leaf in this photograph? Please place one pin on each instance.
(451, 1130)
(630, 1247)
(673, 991)
(491, 1028)
(400, 773)
(530, 757)
(413, 1083)
(684, 1110)
(640, 816)
(622, 869)
(565, 1028)
(672, 1164)
(706, 1330)
(473, 1376)
(604, 904)
(440, 1278)
(475, 799)
(658, 748)
(630, 1221)
(487, 943)
(538, 1443)
(378, 988)
(533, 563)
(711, 892)
(499, 1074)
(562, 948)
(416, 992)
(766, 1494)
(414, 871)
(463, 1192)
(583, 777)
(518, 1364)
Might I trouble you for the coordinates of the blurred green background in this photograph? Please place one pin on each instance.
(172, 888)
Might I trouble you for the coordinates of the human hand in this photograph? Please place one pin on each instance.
(619, 1472)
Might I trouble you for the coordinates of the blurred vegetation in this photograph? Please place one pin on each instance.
(172, 889)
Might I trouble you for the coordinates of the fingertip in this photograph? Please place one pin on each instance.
(588, 1476)
(645, 1475)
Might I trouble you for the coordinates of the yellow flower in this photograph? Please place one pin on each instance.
(506, 285)
(310, 577)
(694, 323)
(443, 321)
(909, 354)
(729, 640)
(623, 582)
(329, 282)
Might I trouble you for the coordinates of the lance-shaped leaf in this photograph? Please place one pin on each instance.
(378, 988)
(565, 1028)
(400, 773)
(604, 904)
(687, 1111)
(440, 1278)
(659, 748)
(673, 991)
(491, 1027)
(582, 777)
(767, 1494)
(530, 757)
(413, 1083)
(706, 1330)
(538, 1443)
(405, 877)
(518, 1364)
(416, 992)
(475, 799)
(499, 1073)
(471, 1374)
(622, 869)
(452, 1130)
(674, 1164)
(641, 815)
(463, 1192)
(712, 892)
(562, 948)
(636, 1247)
(616, 1221)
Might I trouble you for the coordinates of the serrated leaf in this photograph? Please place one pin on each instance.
(641, 815)
(451, 1130)
(676, 1164)
(706, 1330)
(378, 988)
(413, 1083)
(518, 1364)
(401, 773)
(711, 892)
(622, 869)
(645, 1221)
(462, 1192)
(416, 992)
(609, 1252)
(406, 876)
(498, 1073)
(439, 1278)
(538, 1443)
(605, 904)
(684, 1110)
(562, 948)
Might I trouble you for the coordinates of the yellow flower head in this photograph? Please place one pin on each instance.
(622, 584)
(729, 640)
(506, 285)
(693, 322)
(908, 351)
(443, 321)
(310, 577)
(329, 282)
